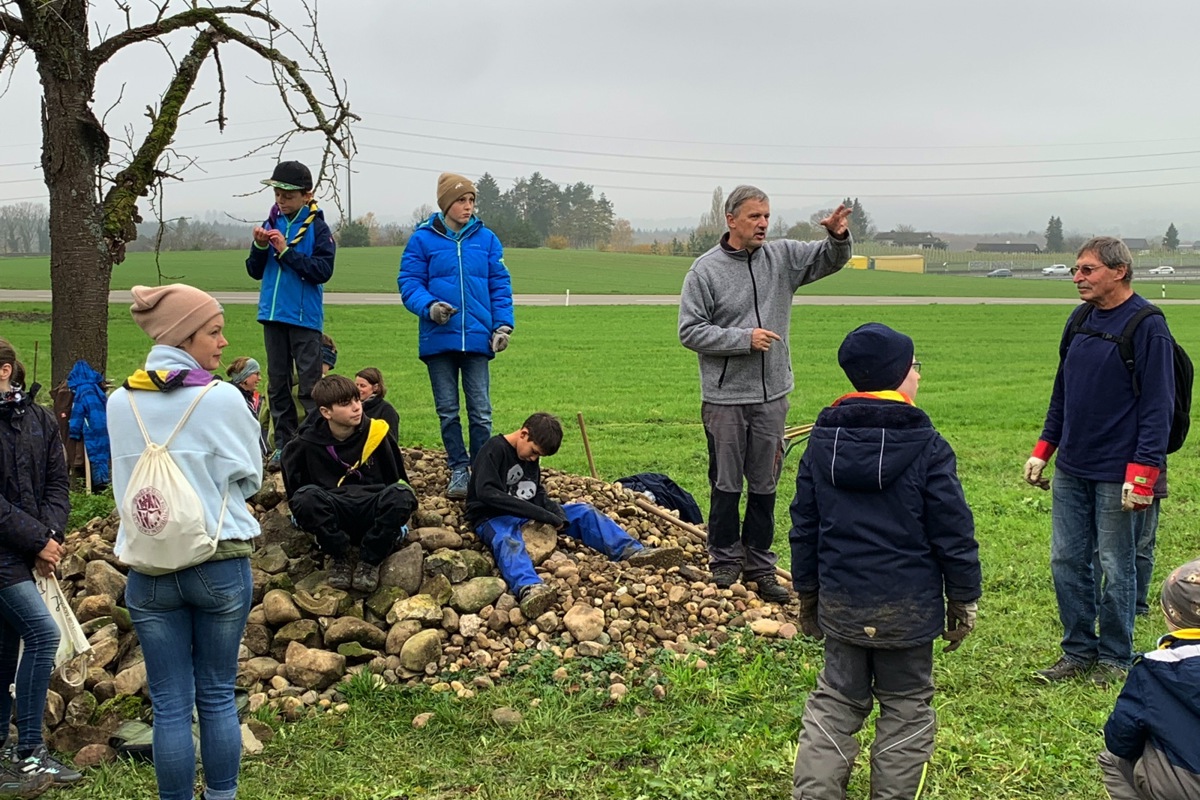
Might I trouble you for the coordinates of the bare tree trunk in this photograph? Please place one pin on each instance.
(73, 147)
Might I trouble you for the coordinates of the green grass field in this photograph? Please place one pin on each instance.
(728, 730)
(551, 272)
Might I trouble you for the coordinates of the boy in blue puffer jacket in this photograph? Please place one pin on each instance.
(453, 277)
(881, 533)
(292, 254)
(1152, 737)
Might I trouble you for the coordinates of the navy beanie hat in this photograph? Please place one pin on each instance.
(876, 358)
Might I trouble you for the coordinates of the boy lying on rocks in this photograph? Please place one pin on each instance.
(505, 492)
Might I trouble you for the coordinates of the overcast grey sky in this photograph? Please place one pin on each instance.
(947, 115)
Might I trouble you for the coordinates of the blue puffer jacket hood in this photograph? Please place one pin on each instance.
(466, 271)
(880, 526)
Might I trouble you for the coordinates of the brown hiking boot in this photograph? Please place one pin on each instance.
(1064, 669)
(536, 599)
(726, 576)
(366, 577)
(1108, 675)
(340, 574)
(657, 558)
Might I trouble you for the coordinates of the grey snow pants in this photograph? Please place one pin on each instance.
(1151, 777)
(902, 682)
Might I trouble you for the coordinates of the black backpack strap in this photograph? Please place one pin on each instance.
(1125, 340)
(1075, 322)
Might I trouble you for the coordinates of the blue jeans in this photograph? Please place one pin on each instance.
(444, 371)
(1087, 522)
(1146, 523)
(24, 617)
(503, 535)
(190, 624)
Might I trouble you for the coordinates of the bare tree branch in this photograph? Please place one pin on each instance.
(14, 27)
(192, 18)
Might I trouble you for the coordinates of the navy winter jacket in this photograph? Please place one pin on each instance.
(293, 290)
(880, 527)
(1160, 704)
(34, 488)
(468, 272)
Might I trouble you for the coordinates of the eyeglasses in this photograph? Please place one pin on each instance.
(916, 366)
(1087, 271)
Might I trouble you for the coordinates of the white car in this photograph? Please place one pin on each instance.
(1056, 269)
(1163, 270)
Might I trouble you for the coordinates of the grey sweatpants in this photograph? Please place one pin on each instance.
(902, 682)
(745, 444)
(1151, 777)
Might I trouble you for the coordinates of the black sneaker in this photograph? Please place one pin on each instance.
(13, 784)
(366, 577)
(724, 577)
(339, 574)
(1063, 670)
(40, 762)
(770, 590)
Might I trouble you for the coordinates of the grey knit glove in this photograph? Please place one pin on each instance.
(500, 338)
(441, 312)
(808, 615)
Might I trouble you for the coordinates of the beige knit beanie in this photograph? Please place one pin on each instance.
(451, 187)
(170, 314)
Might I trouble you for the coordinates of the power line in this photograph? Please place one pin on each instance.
(577, 135)
(694, 160)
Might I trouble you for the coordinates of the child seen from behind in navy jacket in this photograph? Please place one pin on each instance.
(1152, 737)
(881, 533)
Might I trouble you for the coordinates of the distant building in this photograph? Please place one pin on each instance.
(922, 239)
(1006, 247)
(1137, 244)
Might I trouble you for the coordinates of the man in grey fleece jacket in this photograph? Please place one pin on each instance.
(735, 311)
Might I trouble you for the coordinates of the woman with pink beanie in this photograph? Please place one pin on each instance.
(190, 622)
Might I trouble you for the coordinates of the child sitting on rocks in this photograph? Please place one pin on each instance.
(505, 492)
(346, 484)
(1152, 737)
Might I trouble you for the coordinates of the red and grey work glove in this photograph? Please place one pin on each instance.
(500, 338)
(440, 313)
(808, 615)
(1037, 462)
(1138, 491)
(960, 621)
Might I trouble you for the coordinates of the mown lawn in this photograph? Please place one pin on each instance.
(726, 730)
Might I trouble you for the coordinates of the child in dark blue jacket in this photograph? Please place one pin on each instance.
(1152, 737)
(292, 254)
(453, 277)
(881, 533)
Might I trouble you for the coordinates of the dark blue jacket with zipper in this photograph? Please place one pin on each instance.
(880, 526)
(468, 272)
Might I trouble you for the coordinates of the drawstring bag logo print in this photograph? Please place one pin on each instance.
(150, 511)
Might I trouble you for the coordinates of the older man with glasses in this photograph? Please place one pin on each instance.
(1110, 429)
(735, 312)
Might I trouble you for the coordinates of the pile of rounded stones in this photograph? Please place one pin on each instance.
(441, 615)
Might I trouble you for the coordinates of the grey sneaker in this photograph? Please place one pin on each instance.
(18, 785)
(724, 577)
(40, 762)
(657, 557)
(366, 577)
(457, 490)
(339, 574)
(769, 589)
(536, 599)
(1108, 675)
(1063, 670)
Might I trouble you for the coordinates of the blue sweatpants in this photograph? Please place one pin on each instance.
(584, 522)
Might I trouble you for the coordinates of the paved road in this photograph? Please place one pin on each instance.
(370, 299)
